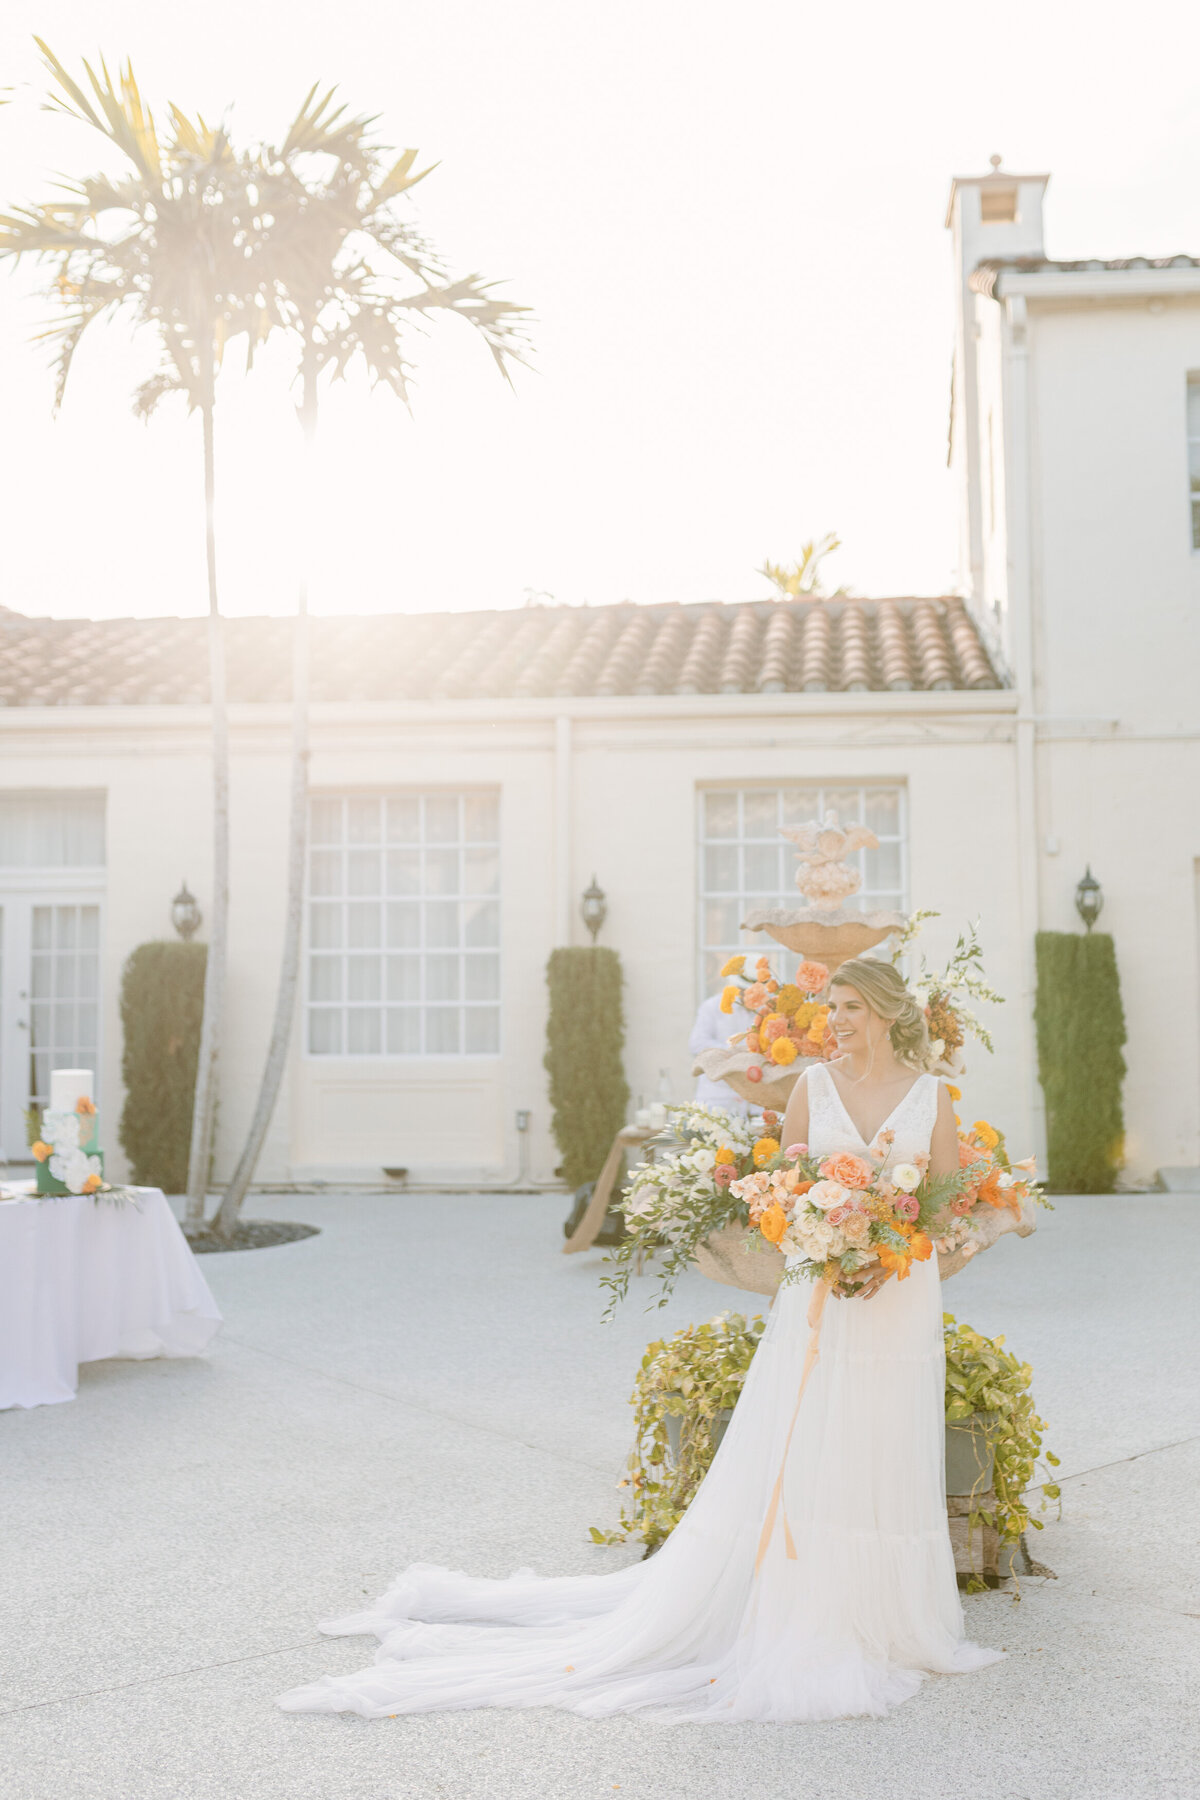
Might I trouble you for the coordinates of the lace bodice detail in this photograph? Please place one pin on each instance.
(830, 1127)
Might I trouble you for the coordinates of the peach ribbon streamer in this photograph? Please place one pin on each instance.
(816, 1308)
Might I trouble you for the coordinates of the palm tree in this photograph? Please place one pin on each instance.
(169, 245)
(804, 575)
(347, 277)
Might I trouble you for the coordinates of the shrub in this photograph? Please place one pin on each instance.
(162, 1003)
(1080, 1031)
(584, 1036)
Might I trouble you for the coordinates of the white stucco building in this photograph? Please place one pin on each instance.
(470, 773)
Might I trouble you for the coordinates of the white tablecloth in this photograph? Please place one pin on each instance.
(82, 1279)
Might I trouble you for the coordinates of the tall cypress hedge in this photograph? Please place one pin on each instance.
(162, 1003)
(1080, 1031)
(584, 1038)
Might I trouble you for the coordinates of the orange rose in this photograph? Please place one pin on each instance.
(850, 1170)
(754, 996)
(41, 1151)
(753, 1042)
(773, 1223)
(812, 977)
(86, 1107)
(90, 1185)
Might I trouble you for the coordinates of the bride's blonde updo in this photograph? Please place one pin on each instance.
(883, 989)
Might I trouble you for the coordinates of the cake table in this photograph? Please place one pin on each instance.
(84, 1278)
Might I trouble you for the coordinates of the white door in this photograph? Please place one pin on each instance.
(49, 1000)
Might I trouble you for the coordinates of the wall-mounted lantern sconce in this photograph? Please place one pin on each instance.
(594, 908)
(1089, 900)
(185, 914)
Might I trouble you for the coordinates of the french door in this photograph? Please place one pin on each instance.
(49, 999)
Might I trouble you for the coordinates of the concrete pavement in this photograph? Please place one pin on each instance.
(429, 1379)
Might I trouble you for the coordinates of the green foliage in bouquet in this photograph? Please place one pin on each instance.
(162, 1003)
(584, 1037)
(700, 1371)
(693, 1376)
(983, 1377)
(1080, 1032)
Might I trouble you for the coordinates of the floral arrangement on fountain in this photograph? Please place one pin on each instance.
(947, 1015)
(733, 1201)
(790, 1020)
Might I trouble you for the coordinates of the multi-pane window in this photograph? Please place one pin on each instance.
(51, 830)
(746, 865)
(1193, 444)
(404, 925)
(64, 989)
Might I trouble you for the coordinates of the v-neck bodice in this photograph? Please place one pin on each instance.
(830, 1127)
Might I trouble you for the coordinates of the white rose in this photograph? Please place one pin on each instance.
(827, 1194)
(77, 1170)
(907, 1177)
(704, 1160)
(62, 1130)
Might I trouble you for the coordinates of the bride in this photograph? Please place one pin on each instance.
(812, 1577)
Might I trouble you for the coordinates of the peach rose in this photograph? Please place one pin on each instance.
(754, 996)
(850, 1170)
(812, 977)
(857, 1228)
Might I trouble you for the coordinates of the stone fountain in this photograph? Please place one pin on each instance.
(826, 929)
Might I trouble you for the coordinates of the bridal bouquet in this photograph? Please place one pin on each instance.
(834, 1215)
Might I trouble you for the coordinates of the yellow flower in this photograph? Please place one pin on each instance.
(764, 1150)
(954, 1092)
(727, 999)
(783, 1051)
(789, 999)
(773, 1223)
(986, 1134)
(804, 1015)
(724, 1153)
(734, 966)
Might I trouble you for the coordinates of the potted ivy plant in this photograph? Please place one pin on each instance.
(688, 1385)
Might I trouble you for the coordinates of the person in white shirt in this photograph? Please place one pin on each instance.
(712, 1031)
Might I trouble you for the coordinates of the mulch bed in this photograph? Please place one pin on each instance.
(250, 1234)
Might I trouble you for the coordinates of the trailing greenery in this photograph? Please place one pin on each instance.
(700, 1371)
(162, 1004)
(692, 1376)
(584, 1037)
(982, 1376)
(1080, 1033)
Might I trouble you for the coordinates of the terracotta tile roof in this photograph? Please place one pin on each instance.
(792, 646)
(984, 275)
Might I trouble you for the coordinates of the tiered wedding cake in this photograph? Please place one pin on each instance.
(67, 1152)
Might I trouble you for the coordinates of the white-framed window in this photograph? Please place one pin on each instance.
(1193, 447)
(744, 864)
(404, 924)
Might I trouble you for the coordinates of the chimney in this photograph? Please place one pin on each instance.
(992, 215)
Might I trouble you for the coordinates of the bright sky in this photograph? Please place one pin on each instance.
(729, 222)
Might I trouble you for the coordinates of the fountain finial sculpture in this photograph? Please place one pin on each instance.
(826, 928)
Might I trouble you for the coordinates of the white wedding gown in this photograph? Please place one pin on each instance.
(847, 1627)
